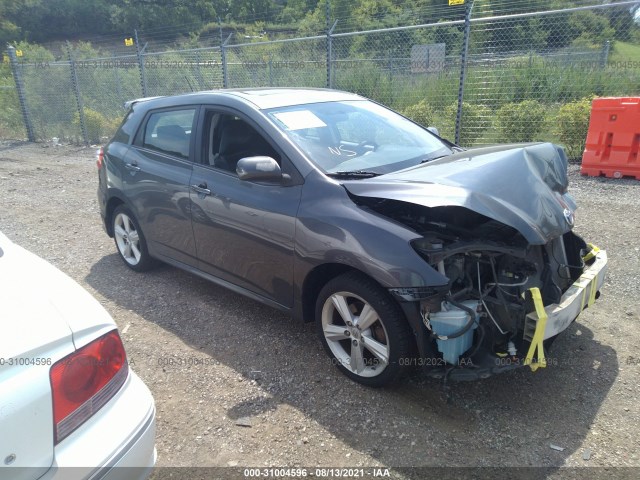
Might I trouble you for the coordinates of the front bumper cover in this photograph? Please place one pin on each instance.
(547, 322)
(542, 325)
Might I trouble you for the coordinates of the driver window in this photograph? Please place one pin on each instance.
(230, 139)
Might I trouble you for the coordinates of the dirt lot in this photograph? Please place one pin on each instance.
(239, 384)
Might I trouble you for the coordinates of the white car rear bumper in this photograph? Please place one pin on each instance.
(117, 443)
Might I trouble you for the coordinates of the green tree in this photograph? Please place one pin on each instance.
(9, 30)
(169, 14)
(588, 28)
(295, 10)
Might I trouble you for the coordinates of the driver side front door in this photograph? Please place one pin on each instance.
(244, 231)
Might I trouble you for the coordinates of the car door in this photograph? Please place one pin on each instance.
(244, 231)
(159, 167)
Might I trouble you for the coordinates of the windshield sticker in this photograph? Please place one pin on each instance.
(299, 120)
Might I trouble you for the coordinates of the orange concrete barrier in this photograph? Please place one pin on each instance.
(613, 139)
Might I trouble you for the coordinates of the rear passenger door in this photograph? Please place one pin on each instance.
(159, 167)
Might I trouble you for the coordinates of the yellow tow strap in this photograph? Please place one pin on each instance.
(537, 349)
(594, 282)
(592, 253)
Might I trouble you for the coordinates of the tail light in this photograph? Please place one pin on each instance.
(99, 157)
(85, 380)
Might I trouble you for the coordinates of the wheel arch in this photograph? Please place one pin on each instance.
(114, 202)
(319, 276)
(314, 281)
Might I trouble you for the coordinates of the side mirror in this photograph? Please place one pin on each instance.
(434, 130)
(262, 169)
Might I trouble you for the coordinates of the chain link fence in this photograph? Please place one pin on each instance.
(479, 78)
(411, 70)
(170, 73)
(287, 63)
(50, 100)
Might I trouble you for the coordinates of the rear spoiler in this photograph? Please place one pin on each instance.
(129, 103)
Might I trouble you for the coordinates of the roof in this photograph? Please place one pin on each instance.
(264, 98)
(258, 98)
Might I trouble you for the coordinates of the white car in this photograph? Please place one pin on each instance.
(70, 407)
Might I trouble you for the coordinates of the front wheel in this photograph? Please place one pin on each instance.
(130, 240)
(362, 329)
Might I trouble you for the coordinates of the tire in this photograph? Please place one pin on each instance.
(363, 330)
(130, 241)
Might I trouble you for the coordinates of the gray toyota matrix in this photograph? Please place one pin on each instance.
(403, 248)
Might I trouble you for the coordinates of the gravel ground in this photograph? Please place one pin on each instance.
(239, 384)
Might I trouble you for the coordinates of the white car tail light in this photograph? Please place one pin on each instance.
(85, 380)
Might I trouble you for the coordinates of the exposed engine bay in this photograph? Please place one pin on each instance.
(480, 317)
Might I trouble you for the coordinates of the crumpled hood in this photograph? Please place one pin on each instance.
(523, 186)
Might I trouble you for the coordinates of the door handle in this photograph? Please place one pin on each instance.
(132, 167)
(202, 189)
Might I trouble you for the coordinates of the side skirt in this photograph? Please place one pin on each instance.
(223, 283)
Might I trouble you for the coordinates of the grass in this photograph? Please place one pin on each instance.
(625, 52)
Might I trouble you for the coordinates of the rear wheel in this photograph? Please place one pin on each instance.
(362, 329)
(130, 240)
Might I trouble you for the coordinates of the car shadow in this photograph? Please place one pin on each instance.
(511, 419)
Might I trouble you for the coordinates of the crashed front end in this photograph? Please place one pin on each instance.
(495, 223)
(506, 300)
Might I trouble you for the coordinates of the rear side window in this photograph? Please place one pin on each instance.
(170, 132)
(124, 133)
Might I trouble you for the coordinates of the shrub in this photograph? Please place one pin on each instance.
(572, 125)
(111, 125)
(520, 122)
(421, 113)
(476, 119)
(95, 124)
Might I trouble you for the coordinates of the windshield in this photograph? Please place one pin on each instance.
(357, 136)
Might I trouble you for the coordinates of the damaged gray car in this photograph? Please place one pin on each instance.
(404, 249)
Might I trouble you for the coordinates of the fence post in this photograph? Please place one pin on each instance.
(604, 59)
(330, 55)
(76, 91)
(198, 72)
(117, 75)
(139, 54)
(327, 16)
(20, 89)
(463, 68)
(223, 54)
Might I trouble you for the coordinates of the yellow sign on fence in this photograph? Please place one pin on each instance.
(18, 53)
(128, 42)
(5, 58)
(456, 2)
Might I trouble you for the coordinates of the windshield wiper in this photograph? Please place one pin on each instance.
(431, 159)
(354, 173)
